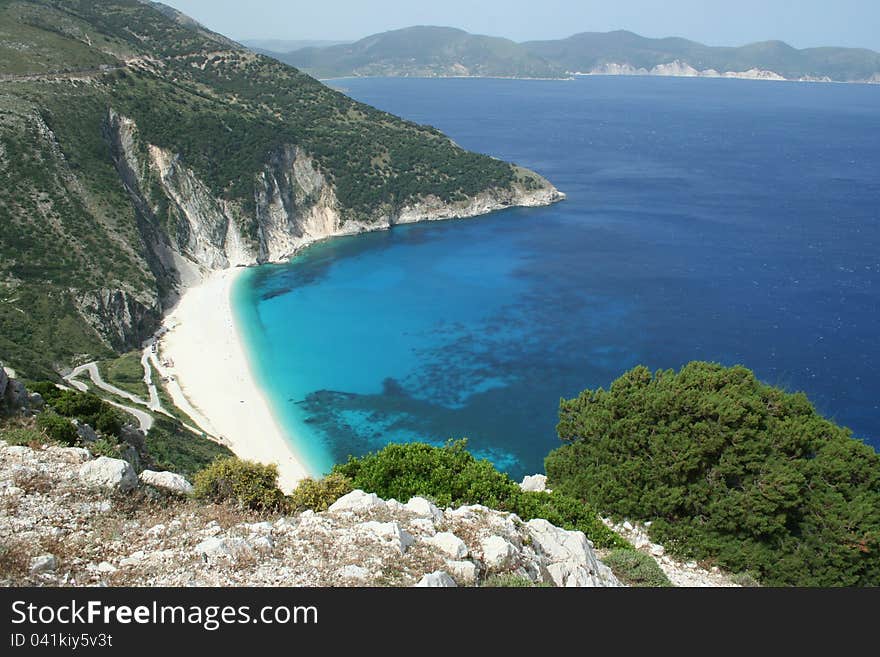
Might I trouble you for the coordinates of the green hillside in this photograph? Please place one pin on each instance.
(583, 52)
(443, 51)
(85, 238)
(424, 52)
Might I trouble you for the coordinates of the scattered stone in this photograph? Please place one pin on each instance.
(36, 401)
(109, 473)
(450, 544)
(437, 579)
(168, 481)
(106, 567)
(45, 563)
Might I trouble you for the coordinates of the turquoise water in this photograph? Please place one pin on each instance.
(721, 220)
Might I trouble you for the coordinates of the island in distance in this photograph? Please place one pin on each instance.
(429, 51)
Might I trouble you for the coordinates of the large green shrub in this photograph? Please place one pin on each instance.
(248, 484)
(88, 408)
(58, 428)
(635, 568)
(451, 476)
(730, 470)
(319, 495)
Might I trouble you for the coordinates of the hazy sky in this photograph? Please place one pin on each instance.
(803, 23)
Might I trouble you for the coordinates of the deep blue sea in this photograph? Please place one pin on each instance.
(724, 220)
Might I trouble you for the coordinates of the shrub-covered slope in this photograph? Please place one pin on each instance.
(138, 149)
(729, 470)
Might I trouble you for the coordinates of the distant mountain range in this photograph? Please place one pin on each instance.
(426, 51)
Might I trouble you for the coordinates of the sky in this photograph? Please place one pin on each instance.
(802, 23)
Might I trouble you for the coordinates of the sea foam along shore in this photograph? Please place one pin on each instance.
(203, 350)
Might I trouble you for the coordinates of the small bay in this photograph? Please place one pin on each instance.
(724, 220)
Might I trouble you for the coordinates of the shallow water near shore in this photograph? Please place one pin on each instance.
(723, 220)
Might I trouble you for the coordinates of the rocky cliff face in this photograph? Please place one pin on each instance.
(295, 205)
(69, 519)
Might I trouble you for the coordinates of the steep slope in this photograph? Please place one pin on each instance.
(606, 52)
(423, 51)
(140, 151)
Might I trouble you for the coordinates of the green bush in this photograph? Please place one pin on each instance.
(635, 568)
(745, 579)
(23, 437)
(451, 476)
(448, 475)
(58, 428)
(90, 409)
(319, 495)
(729, 469)
(173, 447)
(47, 390)
(250, 485)
(104, 447)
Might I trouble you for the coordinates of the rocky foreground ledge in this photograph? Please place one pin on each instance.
(71, 520)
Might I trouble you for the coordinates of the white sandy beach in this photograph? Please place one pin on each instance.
(206, 357)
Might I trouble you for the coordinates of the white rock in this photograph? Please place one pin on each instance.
(627, 525)
(466, 512)
(170, 481)
(497, 552)
(389, 532)
(464, 572)
(536, 483)
(657, 550)
(423, 508)
(18, 451)
(106, 567)
(262, 543)
(394, 506)
(449, 544)
(260, 528)
(423, 526)
(109, 473)
(560, 544)
(156, 530)
(352, 572)
(223, 548)
(44, 563)
(133, 559)
(357, 500)
(437, 579)
(70, 454)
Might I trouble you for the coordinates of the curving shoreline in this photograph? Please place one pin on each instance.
(203, 350)
(202, 347)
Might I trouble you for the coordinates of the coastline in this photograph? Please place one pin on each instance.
(203, 350)
(201, 346)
